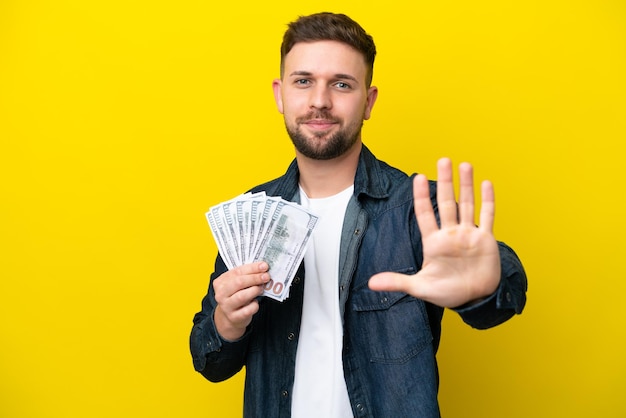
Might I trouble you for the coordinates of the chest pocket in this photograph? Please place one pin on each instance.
(391, 326)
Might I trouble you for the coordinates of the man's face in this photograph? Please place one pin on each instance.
(323, 98)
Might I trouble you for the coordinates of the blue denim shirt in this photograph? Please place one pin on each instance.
(390, 338)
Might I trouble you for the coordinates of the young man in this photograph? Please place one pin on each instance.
(359, 332)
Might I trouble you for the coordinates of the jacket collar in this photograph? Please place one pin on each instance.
(370, 179)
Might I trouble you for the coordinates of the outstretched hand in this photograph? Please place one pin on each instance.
(461, 260)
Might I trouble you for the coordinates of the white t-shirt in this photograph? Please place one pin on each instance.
(320, 388)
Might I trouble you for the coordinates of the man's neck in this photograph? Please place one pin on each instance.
(323, 178)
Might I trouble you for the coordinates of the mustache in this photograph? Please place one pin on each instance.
(319, 114)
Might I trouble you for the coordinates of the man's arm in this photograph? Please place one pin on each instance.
(218, 340)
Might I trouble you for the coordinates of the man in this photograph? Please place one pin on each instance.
(359, 332)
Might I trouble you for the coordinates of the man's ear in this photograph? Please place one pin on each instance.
(372, 94)
(277, 86)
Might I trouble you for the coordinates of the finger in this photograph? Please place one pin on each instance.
(231, 324)
(246, 311)
(241, 277)
(394, 282)
(252, 268)
(241, 296)
(244, 297)
(487, 206)
(423, 206)
(251, 273)
(466, 194)
(445, 193)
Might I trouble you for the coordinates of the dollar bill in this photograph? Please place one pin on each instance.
(256, 227)
(283, 246)
(219, 234)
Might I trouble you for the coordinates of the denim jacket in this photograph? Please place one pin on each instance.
(390, 338)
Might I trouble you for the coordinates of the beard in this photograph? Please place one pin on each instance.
(321, 145)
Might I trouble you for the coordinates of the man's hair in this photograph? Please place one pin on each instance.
(329, 27)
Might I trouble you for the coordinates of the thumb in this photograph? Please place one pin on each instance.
(393, 282)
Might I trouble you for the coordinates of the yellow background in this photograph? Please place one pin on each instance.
(121, 122)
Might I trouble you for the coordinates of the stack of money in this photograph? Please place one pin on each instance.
(255, 227)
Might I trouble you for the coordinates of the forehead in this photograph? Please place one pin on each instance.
(325, 57)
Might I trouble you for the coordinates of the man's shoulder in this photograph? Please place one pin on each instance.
(398, 181)
(284, 186)
(267, 187)
(381, 178)
(387, 186)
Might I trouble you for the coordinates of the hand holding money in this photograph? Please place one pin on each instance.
(236, 293)
(255, 227)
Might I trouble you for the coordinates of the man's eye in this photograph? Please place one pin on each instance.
(342, 85)
(302, 82)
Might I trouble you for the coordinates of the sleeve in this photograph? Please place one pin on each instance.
(215, 358)
(508, 299)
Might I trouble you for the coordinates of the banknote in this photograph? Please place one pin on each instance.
(283, 246)
(219, 234)
(256, 227)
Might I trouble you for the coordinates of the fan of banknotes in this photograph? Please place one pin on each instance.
(255, 227)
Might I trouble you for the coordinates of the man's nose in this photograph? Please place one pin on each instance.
(320, 97)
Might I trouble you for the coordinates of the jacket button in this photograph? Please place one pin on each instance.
(284, 393)
(291, 336)
(296, 280)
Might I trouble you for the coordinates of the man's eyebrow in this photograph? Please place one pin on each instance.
(299, 73)
(339, 76)
(346, 77)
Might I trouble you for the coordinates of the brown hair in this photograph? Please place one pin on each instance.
(329, 27)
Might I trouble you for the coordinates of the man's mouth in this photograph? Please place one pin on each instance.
(320, 124)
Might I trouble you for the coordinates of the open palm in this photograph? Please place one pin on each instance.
(461, 260)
